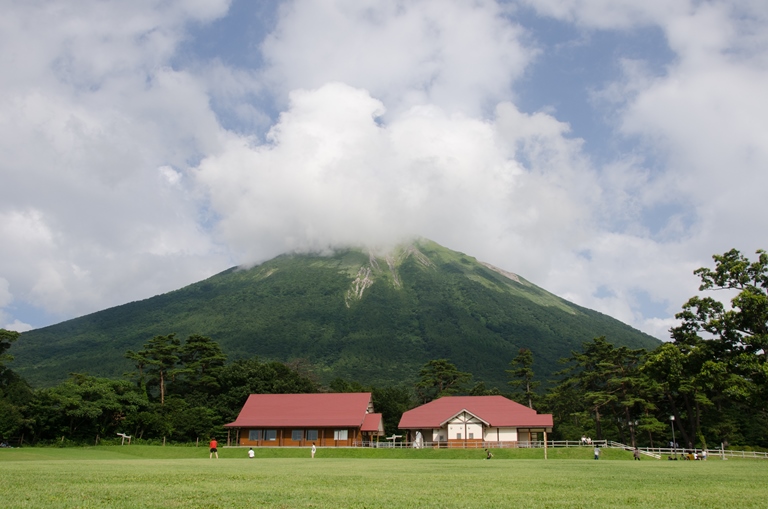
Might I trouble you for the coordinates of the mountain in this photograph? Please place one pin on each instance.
(355, 315)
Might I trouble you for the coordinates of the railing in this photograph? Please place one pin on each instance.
(653, 452)
(711, 453)
(644, 451)
(724, 454)
(476, 444)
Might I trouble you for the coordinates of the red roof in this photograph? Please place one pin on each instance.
(372, 424)
(497, 411)
(303, 410)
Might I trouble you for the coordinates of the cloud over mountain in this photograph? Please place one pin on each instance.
(147, 145)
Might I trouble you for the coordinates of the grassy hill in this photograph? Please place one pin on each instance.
(373, 319)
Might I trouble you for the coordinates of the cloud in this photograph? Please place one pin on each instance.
(91, 110)
(692, 185)
(331, 174)
(459, 56)
(129, 169)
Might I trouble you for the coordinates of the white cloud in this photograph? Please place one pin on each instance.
(330, 174)
(611, 14)
(701, 125)
(90, 110)
(18, 326)
(397, 119)
(460, 56)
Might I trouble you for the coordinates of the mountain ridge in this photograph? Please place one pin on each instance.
(364, 316)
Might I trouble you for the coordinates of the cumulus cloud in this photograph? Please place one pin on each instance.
(329, 174)
(693, 186)
(127, 172)
(91, 110)
(460, 56)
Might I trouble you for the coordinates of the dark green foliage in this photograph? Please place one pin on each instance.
(392, 402)
(6, 338)
(85, 409)
(607, 382)
(712, 380)
(157, 362)
(15, 395)
(720, 355)
(202, 361)
(434, 303)
(438, 378)
(244, 377)
(523, 376)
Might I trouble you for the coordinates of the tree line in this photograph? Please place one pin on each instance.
(710, 382)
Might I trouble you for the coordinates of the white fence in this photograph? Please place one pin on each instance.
(476, 444)
(655, 452)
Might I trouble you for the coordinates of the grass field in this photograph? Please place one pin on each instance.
(135, 476)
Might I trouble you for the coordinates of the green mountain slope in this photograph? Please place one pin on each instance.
(373, 319)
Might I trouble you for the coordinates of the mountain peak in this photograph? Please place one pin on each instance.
(373, 317)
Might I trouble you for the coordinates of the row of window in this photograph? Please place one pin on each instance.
(297, 435)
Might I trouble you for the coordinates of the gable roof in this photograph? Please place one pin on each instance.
(497, 411)
(303, 410)
(373, 424)
(463, 410)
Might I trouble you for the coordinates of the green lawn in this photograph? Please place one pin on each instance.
(185, 477)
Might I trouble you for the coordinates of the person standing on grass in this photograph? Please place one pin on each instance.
(636, 454)
(214, 449)
(250, 452)
(314, 449)
(597, 453)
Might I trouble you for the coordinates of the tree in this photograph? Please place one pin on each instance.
(740, 331)
(524, 374)
(84, 407)
(439, 378)
(609, 381)
(250, 376)
(14, 391)
(202, 360)
(159, 358)
(6, 338)
(392, 402)
(725, 349)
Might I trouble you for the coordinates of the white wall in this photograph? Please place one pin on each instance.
(500, 435)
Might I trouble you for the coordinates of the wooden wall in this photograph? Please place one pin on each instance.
(325, 438)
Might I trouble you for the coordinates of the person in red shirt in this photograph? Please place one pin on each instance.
(214, 450)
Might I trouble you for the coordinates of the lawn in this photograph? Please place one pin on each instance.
(185, 477)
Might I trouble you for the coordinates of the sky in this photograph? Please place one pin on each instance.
(601, 149)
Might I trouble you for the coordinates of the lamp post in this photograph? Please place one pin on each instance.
(674, 443)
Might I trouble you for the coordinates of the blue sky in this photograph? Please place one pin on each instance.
(602, 149)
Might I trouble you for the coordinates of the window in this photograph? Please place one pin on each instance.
(297, 435)
(340, 434)
(458, 436)
(471, 436)
(311, 434)
(254, 435)
(270, 434)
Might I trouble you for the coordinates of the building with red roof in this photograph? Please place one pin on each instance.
(297, 420)
(481, 421)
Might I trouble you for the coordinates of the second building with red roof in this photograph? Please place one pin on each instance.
(479, 421)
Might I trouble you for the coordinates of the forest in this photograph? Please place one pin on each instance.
(712, 377)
